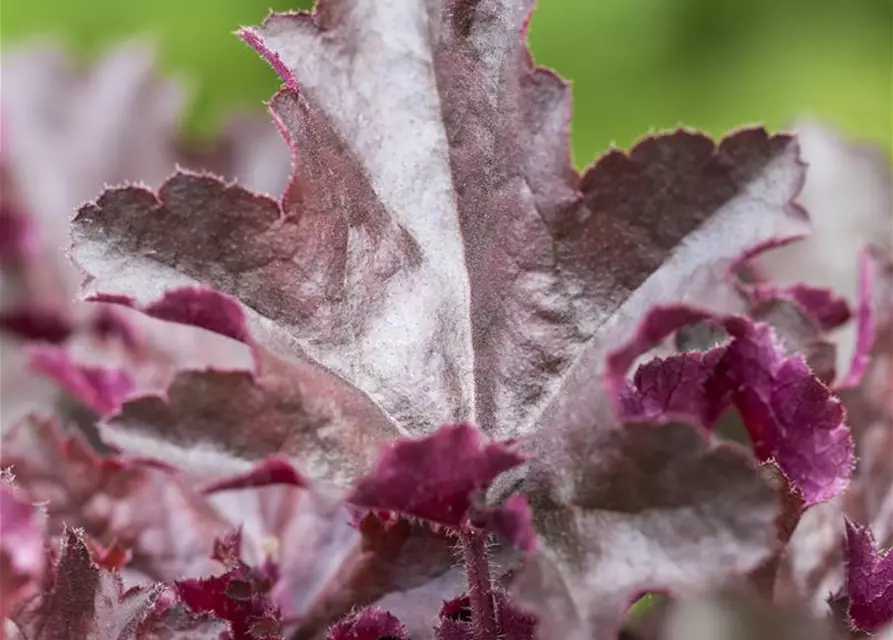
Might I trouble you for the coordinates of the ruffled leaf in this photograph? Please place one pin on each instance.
(791, 416)
(84, 601)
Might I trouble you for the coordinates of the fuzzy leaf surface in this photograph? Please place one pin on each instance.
(653, 506)
(869, 580)
(792, 418)
(83, 600)
(437, 255)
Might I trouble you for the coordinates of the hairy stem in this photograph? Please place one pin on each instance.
(480, 587)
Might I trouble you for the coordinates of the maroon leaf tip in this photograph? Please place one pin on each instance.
(198, 306)
(273, 470)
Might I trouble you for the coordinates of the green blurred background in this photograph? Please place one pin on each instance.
(636, 65)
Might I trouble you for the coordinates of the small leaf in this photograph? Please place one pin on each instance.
(869, 580)
(84, 600)
(434, 478)
(22, 557)
(822, 306)
(792, 418)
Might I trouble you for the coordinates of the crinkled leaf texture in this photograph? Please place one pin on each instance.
(849, 195)
(81, 600)
(21, 548)
(434, 259)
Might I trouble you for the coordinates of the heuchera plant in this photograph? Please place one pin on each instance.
(443, 385)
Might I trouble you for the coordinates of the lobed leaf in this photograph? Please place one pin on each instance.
(434, 478)
(792, 418)
(634, 508)
(84, 601)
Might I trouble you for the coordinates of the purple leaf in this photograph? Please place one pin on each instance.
(434, 478)
(150, 511)
(33, 323)
(321, 566)
(434, 258)
(84, 601)
(172, 620)
(812, 566)
(369, 624)
(645, 507)
(305, 418)
(102, 390)
(871, 265)
(822, 306)
(869, 580)
(798, 334)
(791, 416)
(471, 275)
(197, 306)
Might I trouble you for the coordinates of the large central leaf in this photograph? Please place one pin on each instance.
(435, 255)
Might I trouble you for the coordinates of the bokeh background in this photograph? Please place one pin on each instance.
(636, 65)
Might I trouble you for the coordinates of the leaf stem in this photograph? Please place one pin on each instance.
(480, 587)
